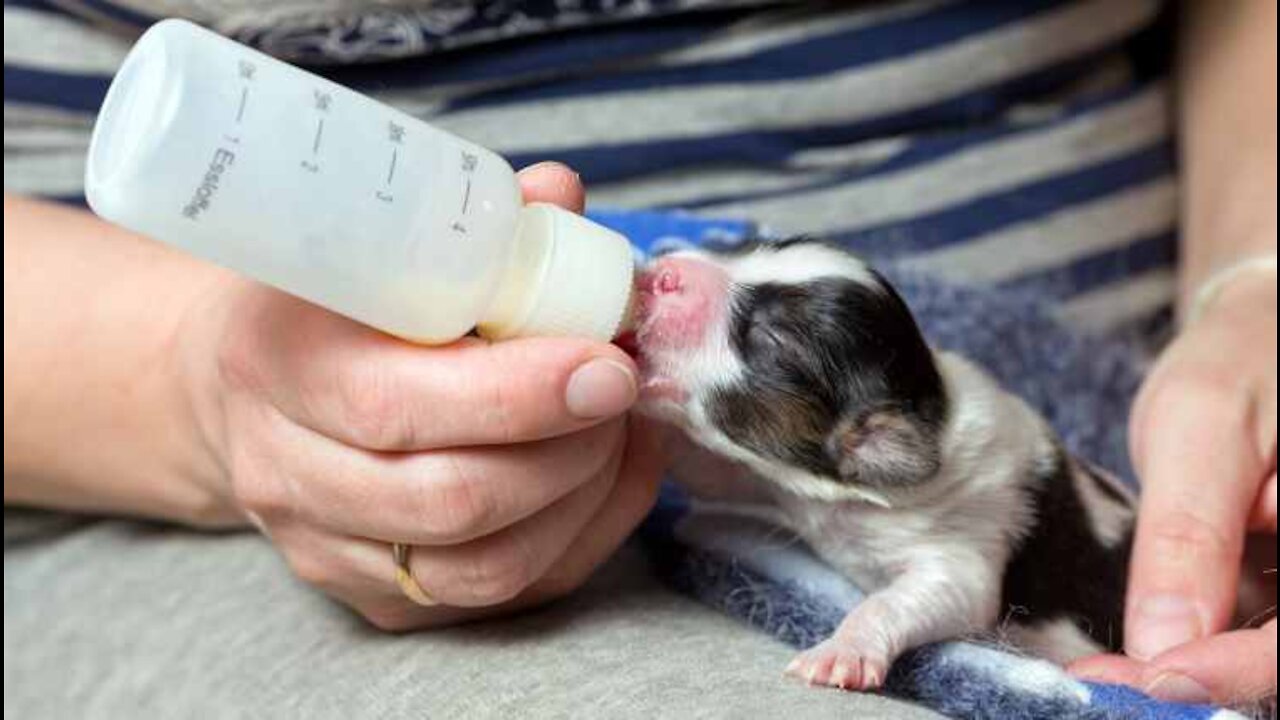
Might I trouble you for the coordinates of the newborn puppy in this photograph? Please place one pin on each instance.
(947, 500)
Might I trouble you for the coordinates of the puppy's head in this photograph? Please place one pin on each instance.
(795, 358)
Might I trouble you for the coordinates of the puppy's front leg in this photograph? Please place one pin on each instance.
(928, 602)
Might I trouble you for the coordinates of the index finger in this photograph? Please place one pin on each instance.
(375, 392)
(1201, 478)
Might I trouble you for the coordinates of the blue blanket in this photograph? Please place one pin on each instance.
(758, 574)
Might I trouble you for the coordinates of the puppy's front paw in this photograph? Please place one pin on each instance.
(840, 664)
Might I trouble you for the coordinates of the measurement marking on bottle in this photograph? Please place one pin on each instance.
(244, 100)
(391, 171)
(315, 144)
(466, 197)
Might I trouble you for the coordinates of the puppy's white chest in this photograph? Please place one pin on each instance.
(867, 544)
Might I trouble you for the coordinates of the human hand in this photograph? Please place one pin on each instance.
(1204, 442)
(510, 468)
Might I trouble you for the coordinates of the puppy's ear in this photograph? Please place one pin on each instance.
(884, 447)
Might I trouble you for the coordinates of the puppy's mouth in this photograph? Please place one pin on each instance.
(639, 313)
(629, 343)
(642, 314)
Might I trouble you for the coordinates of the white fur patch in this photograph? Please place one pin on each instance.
(797, 264)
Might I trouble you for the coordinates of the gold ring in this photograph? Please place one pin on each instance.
(404, 578)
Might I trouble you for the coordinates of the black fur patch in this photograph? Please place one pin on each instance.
(819, 354)
(1064, 570)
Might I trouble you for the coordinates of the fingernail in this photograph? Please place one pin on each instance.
(1176, 687)
(600, 388)
(1163, 622)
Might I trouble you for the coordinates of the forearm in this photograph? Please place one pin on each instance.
(97, 416)
(1227, 113)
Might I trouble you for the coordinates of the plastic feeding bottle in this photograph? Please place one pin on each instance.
(324, 193)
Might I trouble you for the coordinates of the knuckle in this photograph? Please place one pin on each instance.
(455, 505)
(511, 409)
(1185, 534)
(263, 494)
(312, 569)
(497, 577)
(1222, 391)
(374, 410)
(1179, 409)
(1197, 392)
(561, 583)
(499, 413)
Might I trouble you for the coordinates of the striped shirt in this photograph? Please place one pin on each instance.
(1014, 143)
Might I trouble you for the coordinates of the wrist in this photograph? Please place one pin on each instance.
(95, 382)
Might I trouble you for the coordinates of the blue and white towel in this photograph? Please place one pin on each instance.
(763, 576)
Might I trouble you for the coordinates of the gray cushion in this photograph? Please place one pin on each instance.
(116, 619)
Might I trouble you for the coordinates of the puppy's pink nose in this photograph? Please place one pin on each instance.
(667, 281)
(676, 274)
(680, 298)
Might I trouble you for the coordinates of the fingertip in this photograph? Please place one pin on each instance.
(555, 183)
(1158, 623)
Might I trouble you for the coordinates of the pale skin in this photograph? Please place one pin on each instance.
(140, 382)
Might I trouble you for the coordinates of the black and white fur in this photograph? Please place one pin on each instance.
(948, 500)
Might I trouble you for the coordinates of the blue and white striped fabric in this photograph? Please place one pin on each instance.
(1013, 143)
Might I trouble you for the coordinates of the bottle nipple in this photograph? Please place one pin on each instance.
(567, 276)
